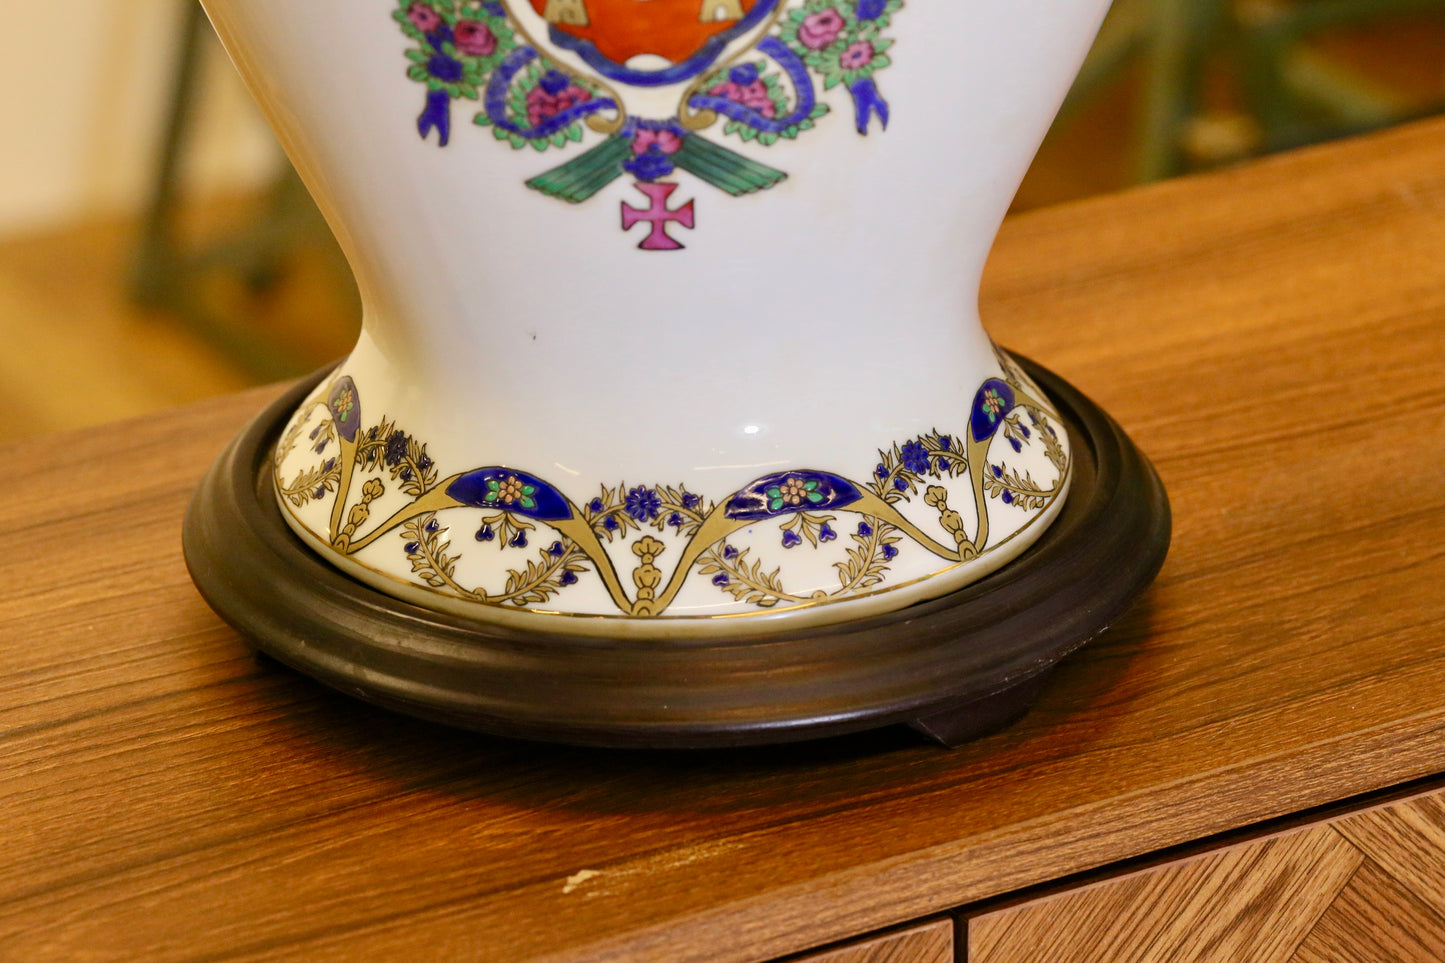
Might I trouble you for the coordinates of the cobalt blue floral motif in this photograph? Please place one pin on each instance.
(512, 491)
(643, 504)
(915, 457)
(993, 401)
(792, 491)
(395, 449)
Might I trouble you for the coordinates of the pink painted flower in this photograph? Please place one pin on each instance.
(857, 55)
(474, 38)
(754, 95)
(820, 29)
(423, 17)
(664, 140)
(541, 104)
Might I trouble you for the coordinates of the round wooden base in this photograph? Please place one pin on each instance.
(953, 667)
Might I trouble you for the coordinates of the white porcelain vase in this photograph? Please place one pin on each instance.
(670, 306)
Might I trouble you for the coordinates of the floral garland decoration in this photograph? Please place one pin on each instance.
(472, 50)
(724, 544)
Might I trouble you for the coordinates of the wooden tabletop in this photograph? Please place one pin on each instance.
(1273, 337)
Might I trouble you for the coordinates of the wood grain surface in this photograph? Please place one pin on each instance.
(1254, 902)
(1375, 918)
(1271, 337)
(926, 943)
(1353, 890)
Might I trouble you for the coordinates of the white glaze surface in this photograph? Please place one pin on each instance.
(803, 327)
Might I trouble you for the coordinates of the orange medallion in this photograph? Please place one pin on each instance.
(672, 29)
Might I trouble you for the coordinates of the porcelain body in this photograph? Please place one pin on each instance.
(667, 344)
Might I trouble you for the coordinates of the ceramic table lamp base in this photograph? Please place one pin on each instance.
(953, 667)
(671, 372)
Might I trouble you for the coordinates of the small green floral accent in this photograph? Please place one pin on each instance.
(992, 403)
(858, 50)
(511, 492)
(345, 402)
(793, 491)
(522, 113)
(777, 93)
(445, 61)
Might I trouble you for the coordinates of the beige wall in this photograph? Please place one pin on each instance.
(83, 91)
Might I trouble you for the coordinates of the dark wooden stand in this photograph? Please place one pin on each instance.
(954, 667)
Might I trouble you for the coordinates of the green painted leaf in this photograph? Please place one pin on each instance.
(585, 174)
(725, 169)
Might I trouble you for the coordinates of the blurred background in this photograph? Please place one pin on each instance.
(155, 248)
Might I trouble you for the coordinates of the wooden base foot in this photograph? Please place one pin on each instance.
(953, 727)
